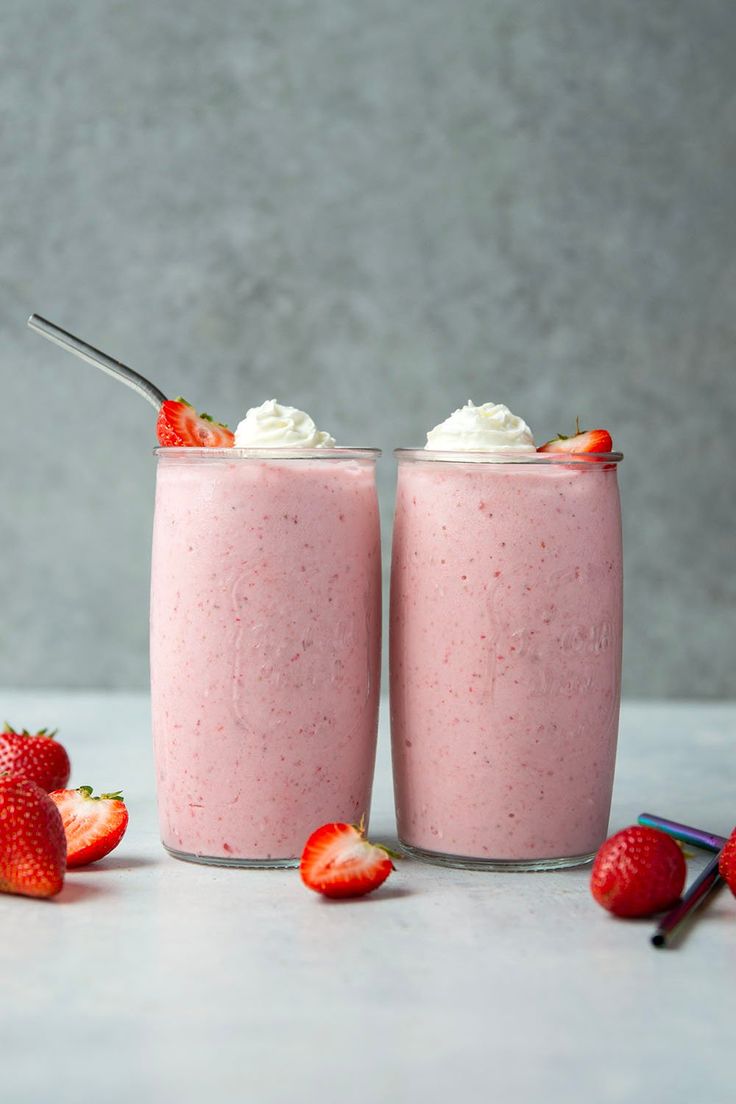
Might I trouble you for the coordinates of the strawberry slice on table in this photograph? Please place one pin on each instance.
(339, 861)
(37, 757)
(727, 862)
(637, 872)
(93, 825)
(180, 426)
(582, 440)
(32, 841)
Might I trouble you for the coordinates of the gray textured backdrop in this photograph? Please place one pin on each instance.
(373, 210)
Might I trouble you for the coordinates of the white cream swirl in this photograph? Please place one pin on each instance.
(487, 428)
(272, 425)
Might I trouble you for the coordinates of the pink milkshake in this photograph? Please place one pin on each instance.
(265, 647)
(505, 654)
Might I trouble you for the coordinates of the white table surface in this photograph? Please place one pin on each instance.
(149, 979)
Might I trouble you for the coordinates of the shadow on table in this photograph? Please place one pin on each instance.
(71, 893)
(389, 894)
(113, 862)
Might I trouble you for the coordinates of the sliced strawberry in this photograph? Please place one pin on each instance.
(180, 426)
(93, 825)
(582, 440)
(32, 843)
(36, 757)
(338, 861)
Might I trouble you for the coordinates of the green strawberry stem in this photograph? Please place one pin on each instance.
(381, 846)
(49, 734)
(569, 436)
(206, 417)
(389, 851)
(87, 791)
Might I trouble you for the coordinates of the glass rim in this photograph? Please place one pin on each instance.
(506, 456)
(340, 452)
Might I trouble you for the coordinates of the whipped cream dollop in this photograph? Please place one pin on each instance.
(272, 425)
(490, 427)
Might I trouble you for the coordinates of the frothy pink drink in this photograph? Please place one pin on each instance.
(505, 657)
(265, 642)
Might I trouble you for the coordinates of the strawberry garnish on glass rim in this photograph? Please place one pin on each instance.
(180, 426)
(93, 825)
(338, 861)
(582, 440)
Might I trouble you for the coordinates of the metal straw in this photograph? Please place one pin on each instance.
(101, 360)
(683, 832)
(703, 885)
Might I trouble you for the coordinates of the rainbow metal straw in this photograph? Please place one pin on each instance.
(708, 880)
(684, 832)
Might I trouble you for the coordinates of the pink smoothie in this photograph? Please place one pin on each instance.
(265, 643)
(505, 657)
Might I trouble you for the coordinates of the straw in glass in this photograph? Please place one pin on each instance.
(101, 360)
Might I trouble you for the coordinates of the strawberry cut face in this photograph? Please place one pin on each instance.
(93, 826)
(338, 861)
(180, 426)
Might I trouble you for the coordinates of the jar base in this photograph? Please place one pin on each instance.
(243, 864)
(467, 862)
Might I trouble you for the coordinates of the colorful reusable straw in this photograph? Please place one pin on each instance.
(708, 880)
(684, 832)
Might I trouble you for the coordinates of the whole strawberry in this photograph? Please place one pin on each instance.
(37, 757)
(727, 862)
(638, 872)
(32, 840)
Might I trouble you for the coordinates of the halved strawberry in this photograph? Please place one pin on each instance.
(93, 825)
(180, 426)
(582, 440)
(36, 756)
(338, 861)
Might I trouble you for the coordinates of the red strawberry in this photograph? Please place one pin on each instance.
(340, 862)
(93, 825)
(727, 862)
(637, 872)
(32, 842)
(38, 758)
(583, 440)
(179, 425)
